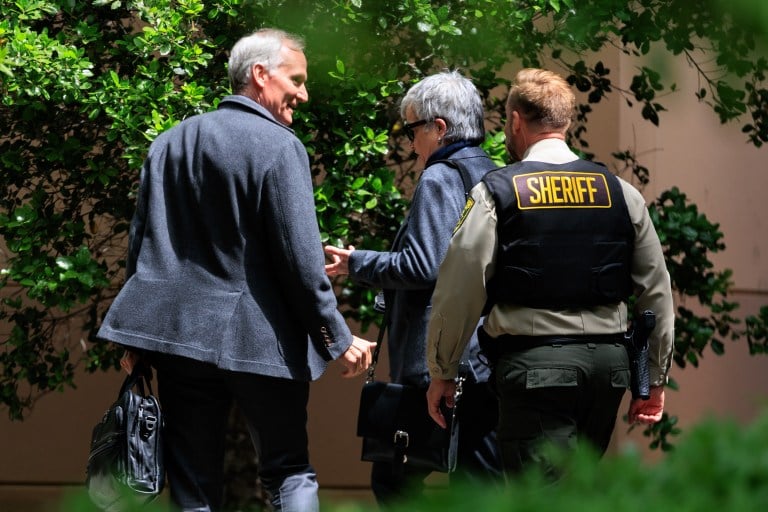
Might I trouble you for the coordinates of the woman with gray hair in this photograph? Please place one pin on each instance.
(443, 119)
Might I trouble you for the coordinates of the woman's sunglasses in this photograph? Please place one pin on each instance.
(408, 127)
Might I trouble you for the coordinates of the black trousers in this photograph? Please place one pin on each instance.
(478, 457)
(560, 395)
(196, 399)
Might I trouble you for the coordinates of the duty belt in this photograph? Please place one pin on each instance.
(517, 343)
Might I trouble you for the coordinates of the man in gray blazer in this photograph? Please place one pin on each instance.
(226, 292)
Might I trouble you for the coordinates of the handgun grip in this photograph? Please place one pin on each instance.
(648, 321)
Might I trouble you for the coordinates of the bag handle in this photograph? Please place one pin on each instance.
(463, 366)
(459, 165)
(379, 342)
(141, 374)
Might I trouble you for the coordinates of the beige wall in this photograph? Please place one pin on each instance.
(712, 164)
(726, 178)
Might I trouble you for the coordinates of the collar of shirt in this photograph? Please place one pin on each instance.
(243, 102)
(553, 151)
(446, 151)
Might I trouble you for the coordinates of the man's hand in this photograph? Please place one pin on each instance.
(358, 357)
(440, 389)
(647, 411)
(130, 359)
(340, 258)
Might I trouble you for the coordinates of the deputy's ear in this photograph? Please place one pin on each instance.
(515, 121)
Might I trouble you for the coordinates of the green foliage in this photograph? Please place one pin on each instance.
(86, 86)
(715, 467)
(82, 96)
(757, 332)
(688, 239)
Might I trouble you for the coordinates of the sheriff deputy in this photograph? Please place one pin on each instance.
(552, 247)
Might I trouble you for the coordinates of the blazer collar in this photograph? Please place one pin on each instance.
(246, 104)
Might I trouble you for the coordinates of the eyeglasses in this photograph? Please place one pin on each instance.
(408, 127)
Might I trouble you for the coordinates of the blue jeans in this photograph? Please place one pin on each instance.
(196, 399)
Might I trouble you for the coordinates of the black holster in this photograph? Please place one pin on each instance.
(489, 348)
(636, 342)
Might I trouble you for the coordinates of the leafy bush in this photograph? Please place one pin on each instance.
(718, 465)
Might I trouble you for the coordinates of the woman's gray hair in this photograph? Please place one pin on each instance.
(261, 47)
(451, 97)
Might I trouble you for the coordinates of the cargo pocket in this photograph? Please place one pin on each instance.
(551, 377)
(620, 378)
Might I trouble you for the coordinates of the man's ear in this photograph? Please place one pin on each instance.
(516, 121)
(259, 75)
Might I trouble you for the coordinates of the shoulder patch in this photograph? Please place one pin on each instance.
(467, 207)
(556, 189)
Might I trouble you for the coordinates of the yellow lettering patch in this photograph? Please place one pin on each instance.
(468, 206)
(553, 189)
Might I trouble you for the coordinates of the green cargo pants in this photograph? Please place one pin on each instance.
(558, 394)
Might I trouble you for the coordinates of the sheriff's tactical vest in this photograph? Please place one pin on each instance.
(565, 236)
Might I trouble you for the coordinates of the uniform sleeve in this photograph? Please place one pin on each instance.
(653, 288)
(297, 251)
(426, 232)
(460, 293)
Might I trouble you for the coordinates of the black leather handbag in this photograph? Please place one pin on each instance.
(396, 428)
(125, 463)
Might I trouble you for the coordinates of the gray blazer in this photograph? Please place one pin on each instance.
(225, 262)
(409, 271)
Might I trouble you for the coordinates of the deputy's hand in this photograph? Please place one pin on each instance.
(440, 389)
(647, 411)
(358, 357)
(340, 260)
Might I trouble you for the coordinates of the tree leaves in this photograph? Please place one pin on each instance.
(86, 86)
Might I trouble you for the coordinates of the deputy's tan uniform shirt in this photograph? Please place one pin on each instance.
(469, 264)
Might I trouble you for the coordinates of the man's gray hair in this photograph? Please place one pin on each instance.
(261, 47)
(451, 97)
